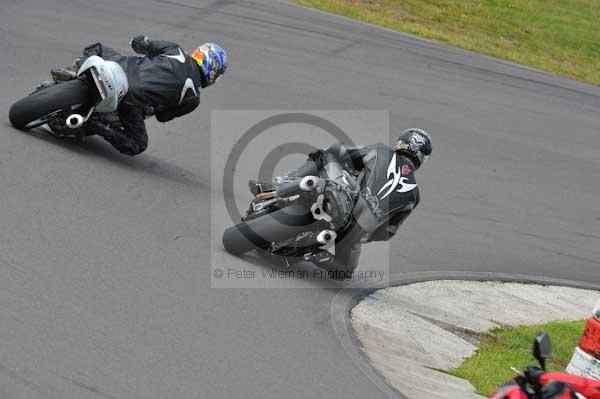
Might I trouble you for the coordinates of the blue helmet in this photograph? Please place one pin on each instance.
(212, 60)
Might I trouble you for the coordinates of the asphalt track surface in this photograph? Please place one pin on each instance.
(104, 259)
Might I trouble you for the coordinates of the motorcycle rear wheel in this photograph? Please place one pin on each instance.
(42, 106)
(261, 232)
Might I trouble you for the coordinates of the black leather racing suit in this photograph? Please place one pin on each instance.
(165, 78)
(388, 194)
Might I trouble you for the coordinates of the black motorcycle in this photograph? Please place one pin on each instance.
(301, 219)
(65, 106)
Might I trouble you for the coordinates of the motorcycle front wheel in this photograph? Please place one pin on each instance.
(42, 106)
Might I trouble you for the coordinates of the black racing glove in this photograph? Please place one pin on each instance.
(140, 44)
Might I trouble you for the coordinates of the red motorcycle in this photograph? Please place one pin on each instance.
(536, 383)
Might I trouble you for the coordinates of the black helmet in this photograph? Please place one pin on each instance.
(415, 144)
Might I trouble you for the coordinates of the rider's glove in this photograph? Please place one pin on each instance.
(140, 44)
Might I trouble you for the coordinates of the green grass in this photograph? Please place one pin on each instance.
(560, 36)
(500, 349)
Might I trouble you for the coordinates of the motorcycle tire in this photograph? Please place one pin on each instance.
(261, 232)
(40, 107)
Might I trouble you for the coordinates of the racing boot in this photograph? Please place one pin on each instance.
(67, 73)
(97, 125)
(115, 135)
(59, 130)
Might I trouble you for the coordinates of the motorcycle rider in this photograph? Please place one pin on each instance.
(165, 82)
(388, 192)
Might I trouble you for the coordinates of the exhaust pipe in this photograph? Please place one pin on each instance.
(74, 121)
(293, 187)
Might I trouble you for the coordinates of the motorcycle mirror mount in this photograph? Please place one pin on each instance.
(542, 348)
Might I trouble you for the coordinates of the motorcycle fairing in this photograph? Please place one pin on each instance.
(110, 79)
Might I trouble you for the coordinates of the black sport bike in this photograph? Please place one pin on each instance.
(301, 219)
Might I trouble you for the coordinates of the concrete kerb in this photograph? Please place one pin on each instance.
(348, 297)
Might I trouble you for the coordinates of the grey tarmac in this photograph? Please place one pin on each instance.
(105, 277)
